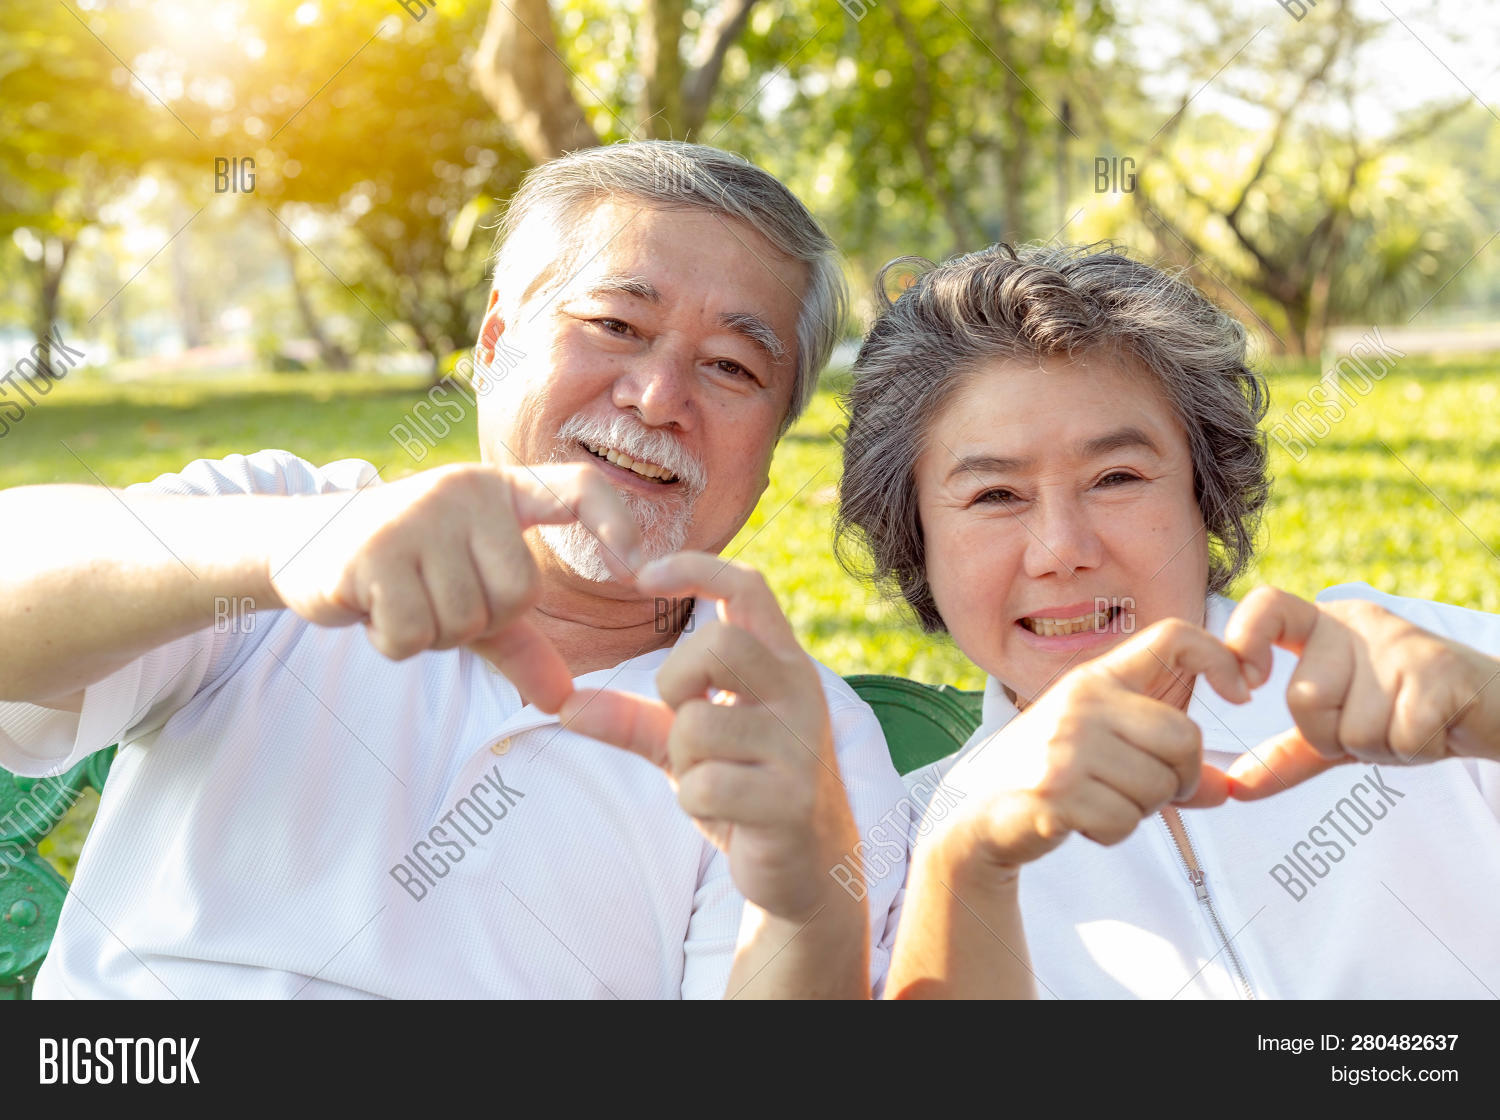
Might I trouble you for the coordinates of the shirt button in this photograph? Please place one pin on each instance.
(500, 746)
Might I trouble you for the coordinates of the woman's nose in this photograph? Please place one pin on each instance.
(1062, 539)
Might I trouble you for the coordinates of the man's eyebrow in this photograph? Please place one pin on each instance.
(757, 331)
(1117, 440)
(616, 285)
(749, 326)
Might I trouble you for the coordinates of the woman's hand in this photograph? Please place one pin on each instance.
(1368, 686)
(1095, 753)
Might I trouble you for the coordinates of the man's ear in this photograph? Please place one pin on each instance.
(492, 328)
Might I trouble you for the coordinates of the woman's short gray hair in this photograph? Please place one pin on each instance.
(1029, 303)
(669, 174)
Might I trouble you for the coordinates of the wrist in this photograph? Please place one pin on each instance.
(960, 851)
(1477, 733)
(837, 924)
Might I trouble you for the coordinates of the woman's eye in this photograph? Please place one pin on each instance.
(1117, 478)
(997, 496)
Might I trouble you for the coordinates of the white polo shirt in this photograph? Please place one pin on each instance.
(1363, 882)
(292, 815)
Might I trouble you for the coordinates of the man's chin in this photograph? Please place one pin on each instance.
(577, 550)
(583, 554)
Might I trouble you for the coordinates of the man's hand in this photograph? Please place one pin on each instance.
(438, 560)
(1368, 685)
(1096, 753)
(742, 731)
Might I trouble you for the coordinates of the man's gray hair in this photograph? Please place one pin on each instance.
(1031, 303)
(667, 174)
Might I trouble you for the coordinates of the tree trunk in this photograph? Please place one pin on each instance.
(698, 85)
(189, 305)
(955, 213)
(54, 262)
(1014, 141)
(330, 353)
(661, 67)
(519, 71)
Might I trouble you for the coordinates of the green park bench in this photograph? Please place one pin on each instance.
(922, 723)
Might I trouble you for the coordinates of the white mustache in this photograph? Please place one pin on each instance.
(626, 434)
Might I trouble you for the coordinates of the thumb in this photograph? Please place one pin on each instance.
(633, 723)
(530, 662)
(1277, 764)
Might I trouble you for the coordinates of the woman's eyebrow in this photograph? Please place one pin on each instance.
(1117, 440)
(986, 464)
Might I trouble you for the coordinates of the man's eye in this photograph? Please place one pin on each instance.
(613, 326)
(734, 368)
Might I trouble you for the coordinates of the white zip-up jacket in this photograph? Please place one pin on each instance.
(1362, 882)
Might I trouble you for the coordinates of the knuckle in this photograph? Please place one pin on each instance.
(1113, 832)
(1064, 766)
(1363, 614)
(1185, 741)
(801, 802)
(708, 788)
(1264, 596)
(523, 584)
(1307, 694)
(1077, 693)
(1170, 632)
(1440, 662)
(472, 621)
(1164, 788)
(1050, 822)
(694, 721)
(401, 642)
(1363, 741)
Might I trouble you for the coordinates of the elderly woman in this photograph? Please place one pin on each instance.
(1054, 455)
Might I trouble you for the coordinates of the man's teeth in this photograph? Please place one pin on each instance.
(1057, 627)
(620, 459)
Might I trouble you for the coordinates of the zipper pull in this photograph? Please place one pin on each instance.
(1197, 877)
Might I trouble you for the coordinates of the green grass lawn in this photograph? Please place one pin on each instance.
(1349, 510)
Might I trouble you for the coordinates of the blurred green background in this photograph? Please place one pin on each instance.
(1350, 510)
(268, 224)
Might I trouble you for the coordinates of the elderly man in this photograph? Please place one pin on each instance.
(306, 807)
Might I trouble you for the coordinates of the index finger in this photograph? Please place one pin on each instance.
(557, 494)
(748, 600)
(1269, 617)
(1279, 763)
(1174, 650)
(637, 724)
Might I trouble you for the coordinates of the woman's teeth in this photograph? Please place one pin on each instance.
(1058, 627)
(620, 459)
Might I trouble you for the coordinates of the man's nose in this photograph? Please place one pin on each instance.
(1061, 538)
(658, 387)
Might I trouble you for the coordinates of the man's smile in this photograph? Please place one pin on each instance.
(652, 471)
